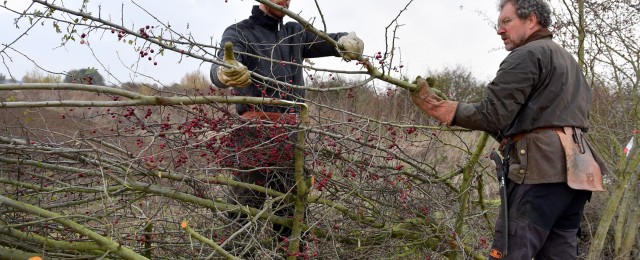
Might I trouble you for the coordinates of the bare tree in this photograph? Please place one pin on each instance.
(144, 171)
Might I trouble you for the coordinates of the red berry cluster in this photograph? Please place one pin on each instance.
(350, 94)
(84, 80)
(410, 130)
(483, 243)
(121, 34)
(325, 179)
(143, 31)
(262, 145)
(378, 55)
(391, 92)
(87, 80)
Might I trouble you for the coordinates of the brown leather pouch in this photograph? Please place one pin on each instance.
(583, 172)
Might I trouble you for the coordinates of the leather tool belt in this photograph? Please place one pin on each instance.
(583, 172)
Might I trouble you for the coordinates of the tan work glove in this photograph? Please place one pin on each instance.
(352, 46)
(432, 104)
(236, 76)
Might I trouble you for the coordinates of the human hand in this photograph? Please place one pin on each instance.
(237, 75)
(352, 46)
(436, 107)
(423, 92)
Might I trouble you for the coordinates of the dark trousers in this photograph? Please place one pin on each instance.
(282, 181)
(543, 222)
(265, 153)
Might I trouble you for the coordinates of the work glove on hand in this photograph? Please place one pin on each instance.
(432, 104)
(352, 46)
(236, 76)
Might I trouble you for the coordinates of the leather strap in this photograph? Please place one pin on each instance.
(288, 118)
(518, 137)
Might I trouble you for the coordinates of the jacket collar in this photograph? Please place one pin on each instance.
(539, 34)
(261, 18)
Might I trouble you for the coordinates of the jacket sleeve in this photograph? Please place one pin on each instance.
(506, 94)
(316, 47)
(229, 35)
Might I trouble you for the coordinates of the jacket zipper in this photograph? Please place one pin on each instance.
(279, 46)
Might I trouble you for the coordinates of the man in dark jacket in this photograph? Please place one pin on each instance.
(265, 46)
(538, 104)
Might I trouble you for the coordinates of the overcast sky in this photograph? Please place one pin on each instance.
(434, 35)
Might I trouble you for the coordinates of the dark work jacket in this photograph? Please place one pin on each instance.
(539, 85)
(262, 36)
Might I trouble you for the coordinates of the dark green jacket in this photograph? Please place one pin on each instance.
(538, 85)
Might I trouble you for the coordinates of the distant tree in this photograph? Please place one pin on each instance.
(195, 80)
(85, 76)
(140, 88)
(36, 76)
(4, 79)
(458, 84)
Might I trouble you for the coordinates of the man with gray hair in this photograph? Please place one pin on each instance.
(537, 106)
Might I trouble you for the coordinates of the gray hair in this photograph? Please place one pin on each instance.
(524, 8)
